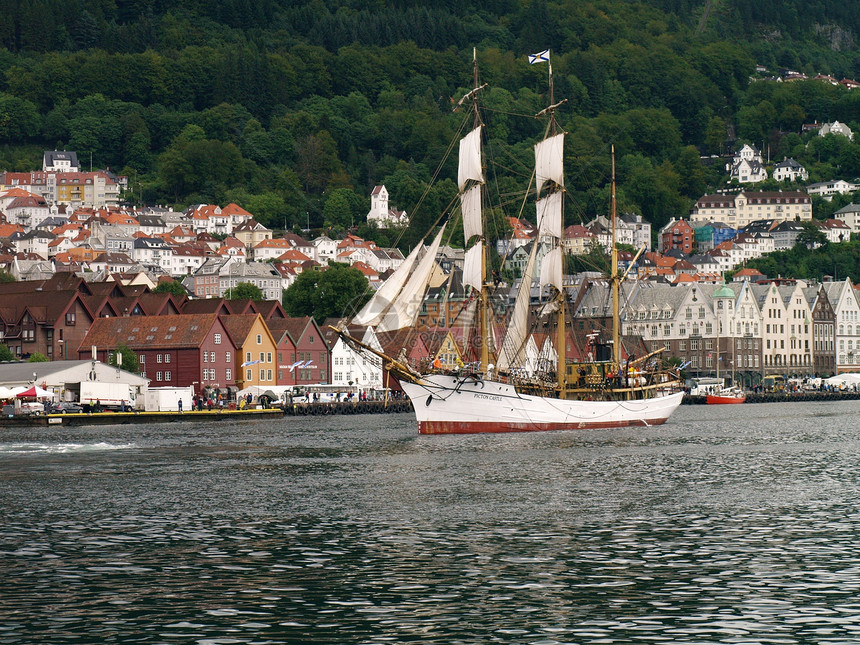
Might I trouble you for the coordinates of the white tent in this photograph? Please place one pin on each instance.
(846, 380)
(256, 391)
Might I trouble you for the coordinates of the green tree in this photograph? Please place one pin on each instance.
(171, 286)
(37, 357)
(715, 135)
(5, 276)
(268, 208)
(129, 358)
(6, 354)
(811, 236)
(244, 291)
(337, 291)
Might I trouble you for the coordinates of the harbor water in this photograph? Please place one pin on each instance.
(729, 524)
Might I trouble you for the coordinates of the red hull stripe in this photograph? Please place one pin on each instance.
(724, 399)
(477, 427)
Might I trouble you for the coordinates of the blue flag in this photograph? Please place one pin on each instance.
(540, 57)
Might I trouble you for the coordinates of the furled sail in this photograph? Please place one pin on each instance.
(549, 215)
(404, 309)
(470, 159)
(551, 268)
(549, 161)
(470, 204)
(472, 274)
(374, 311)
(513, 346)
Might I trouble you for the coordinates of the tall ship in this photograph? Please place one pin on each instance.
(496, 391)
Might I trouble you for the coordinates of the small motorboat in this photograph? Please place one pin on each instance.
(727, 396)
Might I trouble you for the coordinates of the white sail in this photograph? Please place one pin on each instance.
(513, 347)
(404, 311)
(549, 161)
(472, 275)
(470, 159)
(549, 216)
(470, 203)
(551, 269)
(374, 311)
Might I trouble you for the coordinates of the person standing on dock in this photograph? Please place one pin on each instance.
(180, 406)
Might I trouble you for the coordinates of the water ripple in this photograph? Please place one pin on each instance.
(715, 528)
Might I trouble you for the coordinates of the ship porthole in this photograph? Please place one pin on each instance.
(429, 400)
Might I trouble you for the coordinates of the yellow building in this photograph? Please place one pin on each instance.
(256, 350)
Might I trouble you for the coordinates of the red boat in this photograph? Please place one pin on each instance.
(727, 396)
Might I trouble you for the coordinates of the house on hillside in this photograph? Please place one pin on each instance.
(381, 213)
(789, 170)
(747, 166)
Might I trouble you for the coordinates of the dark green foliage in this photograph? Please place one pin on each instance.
(171, 286)
(338, 291)
(837, 260)
(295, 110)
(6, 354)
(129, 358)
(244, 291)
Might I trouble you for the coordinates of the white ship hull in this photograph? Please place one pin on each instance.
(457, 405)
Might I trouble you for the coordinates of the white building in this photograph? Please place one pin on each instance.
(836, 128)
(827, 189)
(843, 299)
(349, 367)
(789, 170)
(60, 161)
(325, 249)
(381, 213)
(739, 210)
(850, 215)
(747, 166)
(260, 274)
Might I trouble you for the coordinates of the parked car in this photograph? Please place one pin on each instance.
(66, 407)
(32, 407)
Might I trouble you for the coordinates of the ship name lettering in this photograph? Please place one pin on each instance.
(489, 397)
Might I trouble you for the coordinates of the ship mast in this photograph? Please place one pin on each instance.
(484, 318)
(553, 129)
(615, 278)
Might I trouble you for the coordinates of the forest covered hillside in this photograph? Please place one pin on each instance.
(295, 109)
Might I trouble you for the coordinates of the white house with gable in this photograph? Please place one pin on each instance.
(747, 166)
(381, 213)
(789, 170)
(348, 367)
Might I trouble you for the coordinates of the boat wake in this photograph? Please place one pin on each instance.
(59, 448)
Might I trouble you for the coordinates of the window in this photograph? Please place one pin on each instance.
(141, 359)
(259, 339)
(228, 374)
(262, 375)
(158, 359)
(158, 376)
(70, 319)
(311, 338)
(248, 375)
(268, 357)
(211, 357)
(217, 339)
(227, 356)
(205, 357)
(247, 357)
(268, 375)
(167, 375)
